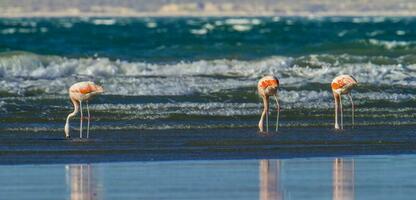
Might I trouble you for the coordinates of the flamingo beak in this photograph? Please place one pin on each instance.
(272, 90)
(100, 89)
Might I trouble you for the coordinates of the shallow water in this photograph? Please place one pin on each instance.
(184, 73)
(356, 177)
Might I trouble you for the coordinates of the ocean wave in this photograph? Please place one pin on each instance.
(106, 22)
(209, 77)
(392, 44)
(236, 24)
(241, 28)
(199, 31)
(242, 21)
(151, 24)
(289, 99)
(53, 74)
(9, 31)
(359, 20)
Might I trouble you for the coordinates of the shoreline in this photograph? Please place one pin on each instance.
(217, 144)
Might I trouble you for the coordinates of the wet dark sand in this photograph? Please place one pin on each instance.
(202, 144)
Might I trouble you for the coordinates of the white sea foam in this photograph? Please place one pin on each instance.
(239, 24)
(106, 22)
(400, 32)
(151, 24)
(342, 33)
(242, 21)
(241, 28)
(199, 31)
(8, 31)
(209, 26)
(290, 22)
(390, 44)
(289, 100)
(276, 19)
(219, 23)
(67, 24)
(21, 72)
(214, 108)
(375, 33)
(359, 20)
(2, 104)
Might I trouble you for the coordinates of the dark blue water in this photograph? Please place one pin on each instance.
(177, 39)
(181, 73)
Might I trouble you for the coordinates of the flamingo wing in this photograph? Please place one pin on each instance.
(85, 88)
(269, 83)
(341, 81)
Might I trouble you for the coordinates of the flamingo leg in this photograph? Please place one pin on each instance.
(76, 110)
(88, 124)
(264, 113)
(336, 98)
(278, 113)
(267, 120)
(80, 123)
(261, 121)
(352, 109)
(342, 115)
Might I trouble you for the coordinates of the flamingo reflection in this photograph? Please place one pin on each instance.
(343, 179)
(82, 182)
(269, 180)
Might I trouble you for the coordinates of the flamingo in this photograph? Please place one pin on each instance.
(342, 84)
(79, 92)
(267, 86)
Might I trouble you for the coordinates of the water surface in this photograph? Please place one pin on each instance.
(184, 73)
(338, 178)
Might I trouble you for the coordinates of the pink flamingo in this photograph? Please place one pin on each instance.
(267, 86)
(342, 84)
(79, 92)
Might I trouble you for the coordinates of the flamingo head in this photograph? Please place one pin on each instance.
(350, 85)
(271, 90)
(99, 89)
(96, 89)
(66, 129)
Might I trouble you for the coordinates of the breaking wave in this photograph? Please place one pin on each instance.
(52, 74)
(165, 95)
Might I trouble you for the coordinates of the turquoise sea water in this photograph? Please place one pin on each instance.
(181, 73)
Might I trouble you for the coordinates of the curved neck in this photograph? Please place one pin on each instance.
(76, 109)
